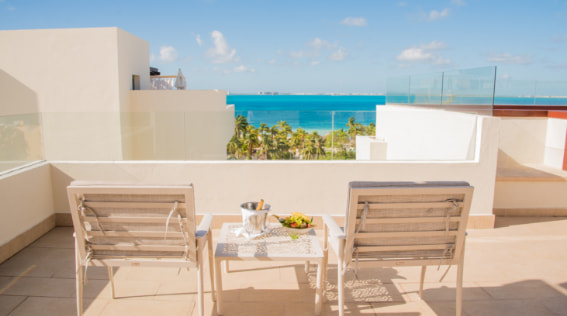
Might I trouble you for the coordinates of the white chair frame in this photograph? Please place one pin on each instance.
(138, 225)
(391, 224)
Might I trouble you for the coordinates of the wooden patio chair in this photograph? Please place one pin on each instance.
(392, 224)
(138, 225)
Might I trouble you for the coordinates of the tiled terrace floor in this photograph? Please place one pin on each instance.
(519, 268)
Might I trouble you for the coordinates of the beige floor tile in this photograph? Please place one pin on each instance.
(59, 237)
(9, 302)
(444, 291)
(407, 309)
(136, 289)
(254, 308)
(39, 262)
(209, 307)
(556, 305)
(46, 306)
(528, 289)
(506, 308)
(43, 287)
(149, 307)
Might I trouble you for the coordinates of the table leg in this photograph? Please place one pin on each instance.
(218, 281)
(319, 291)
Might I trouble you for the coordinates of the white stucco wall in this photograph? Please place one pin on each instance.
(523, 139)
(179, 124)
(26, 199)
(414, 133)
(555, 142)
(78, 79)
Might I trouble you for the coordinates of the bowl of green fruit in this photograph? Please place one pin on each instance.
(296, 223)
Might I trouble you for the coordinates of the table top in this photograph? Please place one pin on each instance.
(276, 244)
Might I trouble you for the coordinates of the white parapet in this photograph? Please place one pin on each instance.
(371, 148)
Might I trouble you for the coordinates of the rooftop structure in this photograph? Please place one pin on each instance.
(69, 111)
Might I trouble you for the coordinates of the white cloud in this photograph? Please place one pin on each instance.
(297, 54)
(221, 52)
(272, 61)
(222, 71)
(315, 63)
(505, 76)
(167, 54)
(339, 55)
(506, 58)
(318, 44)
(459, 3)
(414, 54)
(198, 39)
(350, 21)
(426, 53)
(435, 15)
(402, 4)
(434, 45)
(243, 68)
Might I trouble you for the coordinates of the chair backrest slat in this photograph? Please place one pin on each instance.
(134, 221)
(407, 222)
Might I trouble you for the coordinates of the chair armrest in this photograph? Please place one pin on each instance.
(204, 226)
(334, 229)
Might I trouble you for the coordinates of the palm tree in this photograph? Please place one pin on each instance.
(234, 148)
(240, 125)
(319, 145)
(298, 141)
(353, 128)
(284, 128)
(250, 141)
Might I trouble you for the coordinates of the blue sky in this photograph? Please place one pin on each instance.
(322, 46)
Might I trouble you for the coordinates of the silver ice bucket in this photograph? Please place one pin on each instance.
(254, 222)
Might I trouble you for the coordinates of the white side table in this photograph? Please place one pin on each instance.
(276, 245)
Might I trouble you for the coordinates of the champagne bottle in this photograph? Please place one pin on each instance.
(260, 205)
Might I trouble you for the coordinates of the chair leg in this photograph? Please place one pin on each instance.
(459, 289)
(341, 288)
(211, 264)
(218, 280)
(111, 278)
(79, 284)
(324, 276)
(341, 279)
(200, 298)
(423, 268)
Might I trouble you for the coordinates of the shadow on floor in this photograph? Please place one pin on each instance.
(529, 297)
(507, 221)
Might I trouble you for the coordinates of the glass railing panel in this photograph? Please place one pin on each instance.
(515, 92)
(426, 88)
(469, 86)
(299, 135)
(20, 140)
(551, 93)
(397, 90)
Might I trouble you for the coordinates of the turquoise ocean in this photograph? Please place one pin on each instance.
(321, 113)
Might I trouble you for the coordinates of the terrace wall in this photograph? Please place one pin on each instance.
(26, 207)
(178, 125)
(78, 80)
